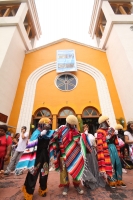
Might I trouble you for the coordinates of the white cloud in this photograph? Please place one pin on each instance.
(64, 19)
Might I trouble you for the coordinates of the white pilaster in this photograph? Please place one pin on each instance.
(12, 53)
(14, 41)
(117, 40)
(22, 11)
(107, 10)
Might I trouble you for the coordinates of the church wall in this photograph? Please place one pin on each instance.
(120, 55)
(54, 99)
(47, 94)
(12, 53)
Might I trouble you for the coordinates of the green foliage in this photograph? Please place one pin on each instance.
(80, 124)
(121, 121)
(32, 126)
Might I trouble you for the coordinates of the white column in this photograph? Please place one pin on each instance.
(22, 11)
(107, 10)
(132, 8)
(21, 14)
(12, 52)
(33, 42)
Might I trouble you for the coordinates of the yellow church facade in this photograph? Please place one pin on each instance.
(38, 94)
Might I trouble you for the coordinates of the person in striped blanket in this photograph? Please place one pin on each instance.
(108, 152)
(68, 148)
(36, 159)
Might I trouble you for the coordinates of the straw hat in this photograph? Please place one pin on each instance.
(44, 120)
(71, 119)
(102, 119)
(118, 126)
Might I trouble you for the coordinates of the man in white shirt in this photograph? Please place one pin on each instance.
(23, 139)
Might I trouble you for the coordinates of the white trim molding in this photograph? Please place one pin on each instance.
(30, 88)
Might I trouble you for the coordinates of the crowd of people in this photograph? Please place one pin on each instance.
(91, 160)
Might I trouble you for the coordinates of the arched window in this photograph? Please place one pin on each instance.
(65, 112)
(90, 112)
(42, 112)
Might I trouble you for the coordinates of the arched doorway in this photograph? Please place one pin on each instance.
(63, 113)
(41, 112)
(90, 116)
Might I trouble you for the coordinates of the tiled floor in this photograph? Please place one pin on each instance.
(10, 189)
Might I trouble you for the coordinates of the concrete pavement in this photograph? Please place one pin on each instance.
(10, 189)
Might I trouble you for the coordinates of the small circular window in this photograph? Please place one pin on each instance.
(66, 82)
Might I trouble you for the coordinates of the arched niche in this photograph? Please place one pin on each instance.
(42, 112)
(90, 112)
(63, 113)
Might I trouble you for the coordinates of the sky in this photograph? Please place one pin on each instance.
(64, 19)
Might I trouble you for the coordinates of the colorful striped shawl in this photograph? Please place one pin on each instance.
(70, 145)
(27, 160)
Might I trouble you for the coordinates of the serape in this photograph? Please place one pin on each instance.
(70, 145)
(27, 160)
